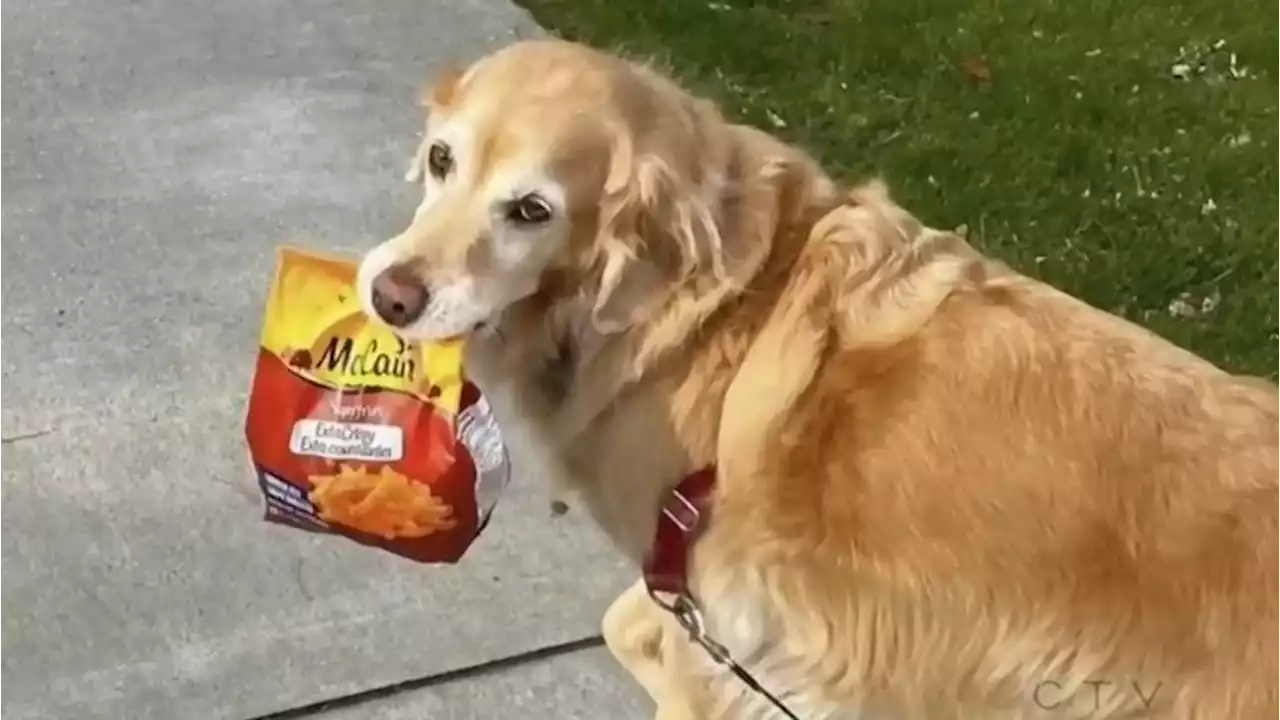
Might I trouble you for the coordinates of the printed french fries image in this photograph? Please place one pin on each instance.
(384, 503)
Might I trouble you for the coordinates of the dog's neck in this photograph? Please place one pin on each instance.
(651, 395)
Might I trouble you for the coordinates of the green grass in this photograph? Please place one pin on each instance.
(1055, 130)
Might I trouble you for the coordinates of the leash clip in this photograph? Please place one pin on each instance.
(690, 617)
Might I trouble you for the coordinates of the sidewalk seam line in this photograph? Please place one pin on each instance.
(441, 678)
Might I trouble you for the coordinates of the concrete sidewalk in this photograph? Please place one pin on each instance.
(155, 152)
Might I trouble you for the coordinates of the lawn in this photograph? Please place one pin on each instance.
(1124, 151)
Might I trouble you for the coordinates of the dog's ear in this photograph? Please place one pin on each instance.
(439, 93)
(630, 287)
(656, 229)
(442, 90)
(415, 173)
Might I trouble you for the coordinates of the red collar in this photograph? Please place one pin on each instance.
(684, 516)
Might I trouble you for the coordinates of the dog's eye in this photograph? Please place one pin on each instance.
(529, 210)
(439, 160)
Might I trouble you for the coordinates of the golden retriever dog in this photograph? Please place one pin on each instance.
(943, 489)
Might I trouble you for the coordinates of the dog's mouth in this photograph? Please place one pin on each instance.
(480, 327)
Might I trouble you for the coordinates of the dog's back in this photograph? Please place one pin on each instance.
(1035, 504)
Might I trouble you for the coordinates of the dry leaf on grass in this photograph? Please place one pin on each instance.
(976, 69)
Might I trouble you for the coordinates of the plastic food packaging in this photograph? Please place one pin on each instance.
(356, 432)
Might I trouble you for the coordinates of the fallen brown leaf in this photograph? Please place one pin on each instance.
(975, 68)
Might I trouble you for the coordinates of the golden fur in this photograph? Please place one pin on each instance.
(946, 490)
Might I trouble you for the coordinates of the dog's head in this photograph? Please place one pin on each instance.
(550, 168)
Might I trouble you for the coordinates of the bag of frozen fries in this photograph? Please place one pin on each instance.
(356, 432)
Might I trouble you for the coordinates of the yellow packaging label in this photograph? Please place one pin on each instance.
(323, 333)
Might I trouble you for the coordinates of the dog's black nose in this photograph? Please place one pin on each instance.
(399, 297)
